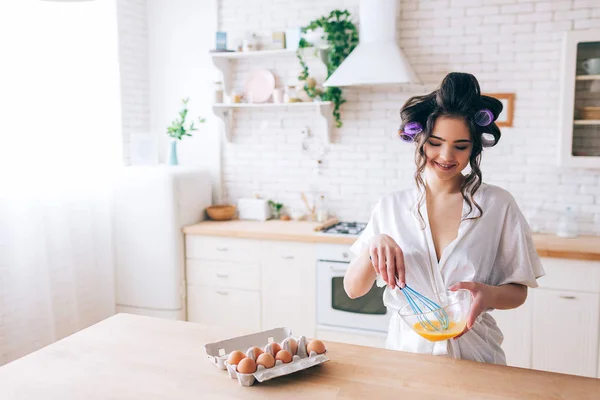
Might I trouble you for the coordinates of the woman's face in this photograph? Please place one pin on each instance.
(448, 148)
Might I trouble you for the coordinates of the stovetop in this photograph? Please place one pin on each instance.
(346, 228)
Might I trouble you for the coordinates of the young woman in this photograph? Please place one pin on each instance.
(451, 231)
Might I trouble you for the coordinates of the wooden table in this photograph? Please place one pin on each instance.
(133, 357)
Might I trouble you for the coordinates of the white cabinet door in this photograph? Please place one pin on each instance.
(288, 287)
(565, 332)
(232, 308)
(515, 325)
(369, 339)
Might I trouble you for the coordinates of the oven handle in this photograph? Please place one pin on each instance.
(337, 270)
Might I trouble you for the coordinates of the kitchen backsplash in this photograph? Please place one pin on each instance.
(510, 46)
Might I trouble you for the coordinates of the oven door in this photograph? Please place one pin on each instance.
(335, 308)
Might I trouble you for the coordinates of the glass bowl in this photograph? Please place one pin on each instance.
(455, 304)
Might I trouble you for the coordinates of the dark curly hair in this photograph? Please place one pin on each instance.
(459, 96)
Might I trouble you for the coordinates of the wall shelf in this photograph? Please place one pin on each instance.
(223, 61)
(323, 109)
(252, 54)
(587, 77)
(586, 122)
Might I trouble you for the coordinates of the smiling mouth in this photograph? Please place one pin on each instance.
(444, 167)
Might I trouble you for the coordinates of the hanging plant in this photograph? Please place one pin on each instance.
(341, 36)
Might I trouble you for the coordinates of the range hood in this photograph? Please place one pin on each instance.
(377, 59)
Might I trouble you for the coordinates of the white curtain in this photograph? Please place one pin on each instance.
(59, 146)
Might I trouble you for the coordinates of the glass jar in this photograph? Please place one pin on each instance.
(290, 95)
(321, 209)
(218, 92)
(236, 97)
(567, 224)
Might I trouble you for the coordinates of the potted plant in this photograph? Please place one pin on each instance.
(334, 36)
(177, 130)
(275, 208)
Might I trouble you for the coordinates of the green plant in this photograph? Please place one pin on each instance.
(177, 129)
(342, 36)
(276, 207)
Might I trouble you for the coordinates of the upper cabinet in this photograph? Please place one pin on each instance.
(580, 100)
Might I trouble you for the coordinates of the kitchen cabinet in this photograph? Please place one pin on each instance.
(516, 327)
(566, 312)
(257, 284)
(565, 332)
(229, 308)
(223, 282)
(251, 284)
(288, 287)
(580, 96)
(371, 339)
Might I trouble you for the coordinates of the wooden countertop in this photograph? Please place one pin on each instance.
(296, 231)
(133, 357)
(580, 248)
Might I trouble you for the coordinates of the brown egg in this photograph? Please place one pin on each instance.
(257, 351)
(246, 366)
(284, 356)
(266, 360)
(293, 346)
(317, 346)
(235, 357)
(275, 347)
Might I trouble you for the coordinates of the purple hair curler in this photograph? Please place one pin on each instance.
(413, 128)
(484, 117)
(410, 130)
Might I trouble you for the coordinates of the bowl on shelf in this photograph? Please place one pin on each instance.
(455, 305)
(223, 212)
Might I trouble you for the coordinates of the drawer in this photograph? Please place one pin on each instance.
(222, 248)
(220, 274)
(576, 275)
(238, 309)
(289, 252)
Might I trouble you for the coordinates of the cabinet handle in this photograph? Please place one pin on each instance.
(287, 257)
(222, 293)
(222, 249)
(337, 270)
(568, 297)
(345, 255)
(222, 276)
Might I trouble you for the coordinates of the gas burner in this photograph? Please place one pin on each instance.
(346, 228)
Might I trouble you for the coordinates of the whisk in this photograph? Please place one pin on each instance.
(422, 306)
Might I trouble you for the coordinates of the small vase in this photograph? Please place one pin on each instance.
(173, 153)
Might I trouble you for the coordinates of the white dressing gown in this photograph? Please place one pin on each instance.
(495, 249)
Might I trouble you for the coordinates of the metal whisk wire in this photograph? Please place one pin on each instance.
(422, 305)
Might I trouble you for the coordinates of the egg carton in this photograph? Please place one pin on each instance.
(218, 352)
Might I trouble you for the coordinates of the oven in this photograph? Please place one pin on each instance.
(334, 308)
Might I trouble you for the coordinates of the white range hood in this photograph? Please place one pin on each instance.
(377, 59)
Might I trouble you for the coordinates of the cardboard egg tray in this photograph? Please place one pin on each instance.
(218, 352)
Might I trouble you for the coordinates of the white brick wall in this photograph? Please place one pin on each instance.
(510, 45)
(133, 60)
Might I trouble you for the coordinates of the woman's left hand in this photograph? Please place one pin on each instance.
(483, 296)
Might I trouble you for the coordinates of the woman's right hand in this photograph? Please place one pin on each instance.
(388, 260)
